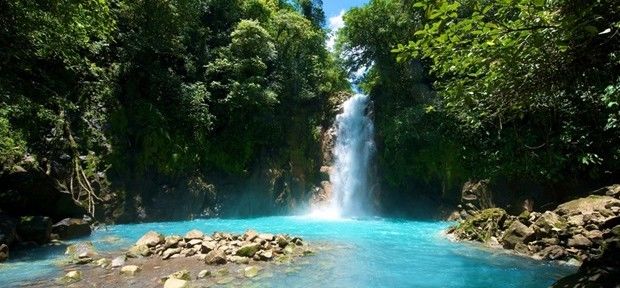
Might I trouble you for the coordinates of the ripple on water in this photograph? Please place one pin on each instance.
(371, 252)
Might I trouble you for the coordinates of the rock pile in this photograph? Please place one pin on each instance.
(575, 231)
(219, 248)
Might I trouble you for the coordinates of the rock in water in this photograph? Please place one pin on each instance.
(138, 251)
(250, 271)
(516, 233)
(216, 257)
(249, 250)
(4, 252)
(150, 239)
(118, 261)
(71, 228)
(71, 277)
(81, 250)
(194, 234)
(176, 283)
(130, 270)
(203, 274)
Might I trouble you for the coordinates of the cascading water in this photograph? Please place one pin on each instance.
(352, 152)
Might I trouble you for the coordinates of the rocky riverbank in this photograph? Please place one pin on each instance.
(585, 230)
(194, 259)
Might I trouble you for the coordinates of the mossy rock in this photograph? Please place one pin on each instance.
(481, 226)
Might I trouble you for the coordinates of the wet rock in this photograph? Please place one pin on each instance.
(481, 226)
(579, 241)
(216, 257)
(118, 261)
(553, 252)
(239, 259)
(265, 255)
(34, 228)
(150, 239)
(516, 233)
(176, 283)
(194, 234)
(203, 274)
(130, 270)
(69, 228)
(103, 262)
(249, 250)
(225, 280)
(4, 252)
(250, 271)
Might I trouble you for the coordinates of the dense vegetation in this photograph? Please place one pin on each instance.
(121, 101)
(524, 92)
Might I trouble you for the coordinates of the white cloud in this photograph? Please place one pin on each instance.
(335, 23)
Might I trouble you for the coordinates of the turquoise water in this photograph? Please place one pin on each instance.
(365, 253)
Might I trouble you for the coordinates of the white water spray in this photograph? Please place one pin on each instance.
(352, 152)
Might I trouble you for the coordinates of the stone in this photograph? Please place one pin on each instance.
(250, 271)
(194, 234)
(203, 274)
(553, 252)
(239, 259)
(71, 277)
(150, 239)
(137, 251)
(216, 257)
(70, 228)
(130, 270)
(225, 280)
(4, 252)
(194, 242)
(207, 246)
(517, 232)
(579, 241)
(103, 262)
(182, 275)
(250, 235)
(248, 250)
(176, 283)
(588, 206)
(282, 242)
(34, 228)
(169, 252)
(594, 234)
(267, 237)
(550, 221)
(118, 261)
(289, 249)
(171, 241)
(265, 255)
(81, 250)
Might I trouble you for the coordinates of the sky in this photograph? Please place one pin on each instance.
(334, 9)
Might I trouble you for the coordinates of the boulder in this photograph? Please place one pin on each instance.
(579, 241)
(137, 251)
(171, 241)
(34, 228)
(150, 239)
(601, 271)
(481, 226)
(239, 259)
(250, 271)
(176, 283)
(118, 261)
(71, 277)
(553, 252)
(281, 240)
(248, 250)
(194, 234)
(550, 221)
(82, 250)
(516, 233)
(250, 235)
(4, 252)
(216, 257)
(130, 270)
(69, 228)
(169, 252)
(265, 255)
(103, 263)
(588, 206)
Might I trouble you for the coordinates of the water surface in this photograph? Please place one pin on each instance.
(363, 253)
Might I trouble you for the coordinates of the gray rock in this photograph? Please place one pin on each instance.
(82, 250)
(130, 270)
(516, 233)
(250, 235)
(282, 242)
(69, 228)
(550, 221)
(150, 239)
(169, 252)
(171, 241)
(239, 259)
(138, 251)
(553, 252)
(203, 274)
(118, 261)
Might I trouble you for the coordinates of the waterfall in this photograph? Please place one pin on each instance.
(352, 152)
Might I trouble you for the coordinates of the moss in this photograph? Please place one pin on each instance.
(481, 226)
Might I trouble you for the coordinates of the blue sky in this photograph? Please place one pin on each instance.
(334, 9)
